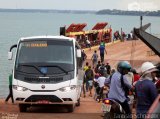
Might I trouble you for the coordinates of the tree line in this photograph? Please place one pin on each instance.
(132, 13)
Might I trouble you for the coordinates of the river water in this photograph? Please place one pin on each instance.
(15, 25)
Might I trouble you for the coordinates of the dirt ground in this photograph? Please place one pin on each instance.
(136, 52)
(89, 109)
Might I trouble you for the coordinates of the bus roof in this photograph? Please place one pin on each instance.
(63, 38)
(46, 37)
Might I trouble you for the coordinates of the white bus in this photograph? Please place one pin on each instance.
(47, 70)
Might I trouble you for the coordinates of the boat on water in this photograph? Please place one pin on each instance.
(98, 33)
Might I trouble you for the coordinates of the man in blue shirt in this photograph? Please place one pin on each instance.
(102, 50)
(118, 86)
(145, 89)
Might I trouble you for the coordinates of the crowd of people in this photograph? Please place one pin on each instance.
(123, 36)
(125, 85)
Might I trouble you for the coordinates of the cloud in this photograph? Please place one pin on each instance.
(134, 6)
(142, 6)
(82, 4)
(149, 6)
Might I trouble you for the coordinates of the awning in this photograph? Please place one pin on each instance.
(99, 26)
(75, 27)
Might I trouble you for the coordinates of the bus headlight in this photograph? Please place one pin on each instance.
(19, 88)
(68, 88)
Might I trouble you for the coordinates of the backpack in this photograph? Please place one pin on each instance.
(89, 74)
(102, 69)
(125, 88)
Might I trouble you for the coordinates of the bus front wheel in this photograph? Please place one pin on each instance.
(70, 108)
(78, 102)
(22, 108)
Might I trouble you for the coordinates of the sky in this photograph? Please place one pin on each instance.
(143, 5)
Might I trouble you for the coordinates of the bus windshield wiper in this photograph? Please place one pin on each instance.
(27, 65)
(55, 66)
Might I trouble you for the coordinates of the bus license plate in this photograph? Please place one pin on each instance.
(43, 102)
(106, 107)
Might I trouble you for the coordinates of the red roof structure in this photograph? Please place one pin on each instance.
(99, 26)
(76, 27)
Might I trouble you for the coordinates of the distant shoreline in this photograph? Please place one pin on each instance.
(100, 12)
(133, 13)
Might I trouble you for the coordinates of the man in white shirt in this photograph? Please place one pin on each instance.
(101, 81)
(88, 43)
(129, 77)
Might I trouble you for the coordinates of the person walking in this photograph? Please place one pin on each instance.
(108, 67)
(145, 89)
(10, 90)
(94, 59)
(89, 79)
(103, 70)
(101, 81)
(102, 50)
(84, 56)
(96, 86)
(88, 43)
(97, 67)
(86, 66)
(84, 79)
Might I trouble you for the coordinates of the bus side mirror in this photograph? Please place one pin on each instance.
(10, 55)
(79, 53)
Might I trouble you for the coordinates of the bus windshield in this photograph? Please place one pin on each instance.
(46, 53)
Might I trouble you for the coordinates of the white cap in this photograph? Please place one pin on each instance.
(148, 67)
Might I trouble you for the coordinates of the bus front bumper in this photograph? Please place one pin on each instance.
(38, 97)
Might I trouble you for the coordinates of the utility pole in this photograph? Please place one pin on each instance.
(141, 19)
